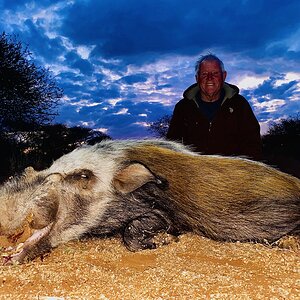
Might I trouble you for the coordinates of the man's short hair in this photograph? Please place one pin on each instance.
(208, 57)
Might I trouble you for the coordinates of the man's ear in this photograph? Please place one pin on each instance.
(132, 177)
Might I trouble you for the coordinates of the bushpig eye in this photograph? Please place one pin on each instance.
(80, 174)
(82, 178)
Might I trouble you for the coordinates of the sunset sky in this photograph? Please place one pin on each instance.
(123, 64)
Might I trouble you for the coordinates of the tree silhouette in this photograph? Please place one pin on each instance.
(281, 145)
(283, 138)
(28, 93)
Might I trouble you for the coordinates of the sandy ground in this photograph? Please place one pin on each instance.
(192, 268)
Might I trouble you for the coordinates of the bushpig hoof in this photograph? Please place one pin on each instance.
(143, 232)
(164, 238)
(288, 242)
(13, 255)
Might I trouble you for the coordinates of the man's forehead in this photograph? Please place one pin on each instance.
(210, 64)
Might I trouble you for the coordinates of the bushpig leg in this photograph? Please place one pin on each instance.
(141, 232)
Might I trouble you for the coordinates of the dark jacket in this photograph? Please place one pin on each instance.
(234, 129)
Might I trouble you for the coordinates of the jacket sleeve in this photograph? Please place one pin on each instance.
(250, 139)
(175, 131)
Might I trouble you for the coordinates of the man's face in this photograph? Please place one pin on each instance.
(210, 80)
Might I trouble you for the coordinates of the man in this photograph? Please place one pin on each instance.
(213, 117)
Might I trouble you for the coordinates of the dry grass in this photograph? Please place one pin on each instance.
(193, 268)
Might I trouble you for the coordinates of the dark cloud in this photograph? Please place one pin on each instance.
(113, 91)
(84, 66)
(160, 87)
(132, 27)
(8, 4)
(75, 61)
(130, 79)
(39, 43)
(14, 4)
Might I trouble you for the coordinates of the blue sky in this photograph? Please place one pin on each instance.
(125, 63)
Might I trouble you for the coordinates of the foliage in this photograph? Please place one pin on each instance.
(290, 126)
(160, 127)
(283, 138)
(28, 93)
(281, 145)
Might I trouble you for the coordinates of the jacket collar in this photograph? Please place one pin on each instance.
(191, 92)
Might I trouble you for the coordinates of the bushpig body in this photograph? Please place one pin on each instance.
(140, 189)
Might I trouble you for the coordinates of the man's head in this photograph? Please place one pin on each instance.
(210, 76)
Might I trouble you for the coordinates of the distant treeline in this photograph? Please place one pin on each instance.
(281, 145)
(39, 148)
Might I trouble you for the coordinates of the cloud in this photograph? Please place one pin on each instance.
(131, 28)
(250, 81)
(83, 65)
(136, 78)
(124, 63)
(274, 99)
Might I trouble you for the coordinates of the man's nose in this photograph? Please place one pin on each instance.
(210, 76)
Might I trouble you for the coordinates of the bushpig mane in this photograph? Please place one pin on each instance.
(141, 188)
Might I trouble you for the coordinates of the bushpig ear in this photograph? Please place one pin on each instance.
(29, 172)
(132, 177)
